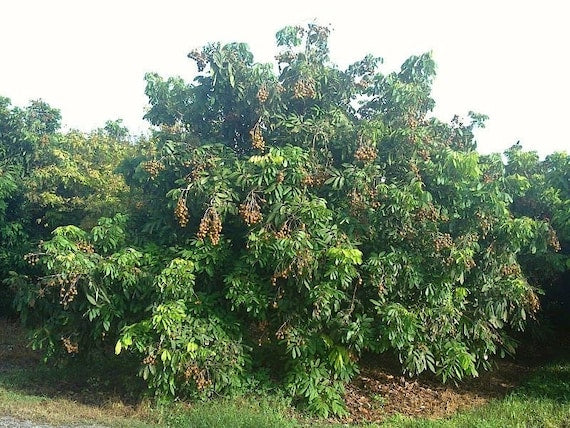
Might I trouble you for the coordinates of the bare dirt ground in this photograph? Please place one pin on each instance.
(378, 393)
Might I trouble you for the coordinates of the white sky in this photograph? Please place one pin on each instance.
(507, 59)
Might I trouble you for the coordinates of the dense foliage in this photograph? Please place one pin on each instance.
(278, 225)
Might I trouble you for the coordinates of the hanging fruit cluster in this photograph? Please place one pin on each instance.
(553, 239)
(262, 94)
(484, 223)
(512, 269)
(442, 241)
(304, 89)
(429, 213)
(250, 211)
(85, 247)
(199, 376)
(365, 153)
(32, 258)
(68, 290)
(533, 302)
(257, 141)
(153, 168)
(69, 346)
(284, 231)
(149, 360)
(181, 212)
(200, 58)
(210, 226)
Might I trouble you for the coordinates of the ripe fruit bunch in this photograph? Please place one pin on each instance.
(153, 168)
(181, 212)
(281, 274)
(149, 360)
(424, 154)
(68, 290)
(287, 57)
(304, 89)
(199, 377)
(211, 226)
(442, 241)
(357, 201)
(513, 269)
(70, 347)
(250, 211)
(533, 302)
(32, 258)
(284, 231)
(85, 247)
(429, 213)
(199, 57)
(484, 223)
(553, 240)
(365, 153)
(257, 140)
(316, 179)
(282, 332)
(262, 94)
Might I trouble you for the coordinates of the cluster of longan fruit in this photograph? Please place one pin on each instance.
(197, 171)
(85, 247)
(199, 377)
(32, 258)
(67, 294)
(429, 213)
(282, 332)
(281, 274)
(365, 153)
(512, 269)
(442, 241)
(553, 240)
(70, 347)
(424, 154)
(416, 170)
(200, 59)
(316, 179)
(363, 83)
(284, 231)
(181, 212)
(262, 94)
(304, 89)
(533, 301)
(257, 141)
(211, 226)
(287, 57)
(149, 360)
(357, 200)
(153, 168)
(259, 330)
(484, 223)
(407, 231)
(250, 212)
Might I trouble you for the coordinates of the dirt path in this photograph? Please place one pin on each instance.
(9, 422)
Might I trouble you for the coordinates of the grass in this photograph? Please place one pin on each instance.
(542, 401)
(73, 395)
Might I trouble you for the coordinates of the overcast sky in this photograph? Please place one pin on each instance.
(507, 59)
